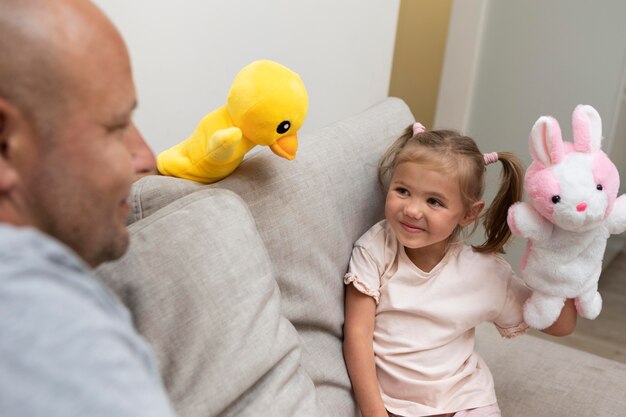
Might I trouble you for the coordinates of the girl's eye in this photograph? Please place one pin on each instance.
(402, 191)
(434, 202)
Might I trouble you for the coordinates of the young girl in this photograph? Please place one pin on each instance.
(416, 291)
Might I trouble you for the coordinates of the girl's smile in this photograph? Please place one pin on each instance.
(412, 229)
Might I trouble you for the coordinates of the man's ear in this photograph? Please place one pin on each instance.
(8, 174)
(7, 113)
(472, 214)
(3, 143)
(3, 128)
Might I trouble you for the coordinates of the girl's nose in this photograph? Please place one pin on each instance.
(413, 209)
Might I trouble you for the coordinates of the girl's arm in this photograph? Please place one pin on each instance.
(358, 352)
(566, 323)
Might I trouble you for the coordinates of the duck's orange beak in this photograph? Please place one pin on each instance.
(286, 147)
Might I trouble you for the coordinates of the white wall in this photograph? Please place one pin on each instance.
(535, 57)
(545, 57)
(185, 55)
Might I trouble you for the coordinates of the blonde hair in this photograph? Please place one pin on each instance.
(459, 156)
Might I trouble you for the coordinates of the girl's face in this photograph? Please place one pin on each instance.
(423, 208)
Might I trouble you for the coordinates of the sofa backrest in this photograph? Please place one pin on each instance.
(308, 212)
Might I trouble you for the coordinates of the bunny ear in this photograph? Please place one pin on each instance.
(546, 143)
(587, 127)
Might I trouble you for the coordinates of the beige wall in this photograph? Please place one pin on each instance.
(418, 57)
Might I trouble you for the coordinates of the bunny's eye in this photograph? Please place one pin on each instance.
(556, 198)
(599, 187)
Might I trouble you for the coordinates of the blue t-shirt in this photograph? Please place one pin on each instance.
(67, 346)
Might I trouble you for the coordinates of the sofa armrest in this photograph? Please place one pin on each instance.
(536, 377)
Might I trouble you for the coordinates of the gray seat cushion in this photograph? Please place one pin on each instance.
(536, 377)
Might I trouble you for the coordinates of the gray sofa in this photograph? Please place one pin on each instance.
(238, 287)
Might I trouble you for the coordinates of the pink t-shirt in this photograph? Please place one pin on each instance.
(424, 333)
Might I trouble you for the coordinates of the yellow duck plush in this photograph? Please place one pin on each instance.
(266, 105)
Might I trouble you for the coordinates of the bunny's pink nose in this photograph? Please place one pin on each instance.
(581, 207)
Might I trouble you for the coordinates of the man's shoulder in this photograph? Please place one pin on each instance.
(66, 340)
(25, 247)
(29, 258)
(40, 279)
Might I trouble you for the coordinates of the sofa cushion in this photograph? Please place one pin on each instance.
(539, 378)
(309, 212)
(201, 289)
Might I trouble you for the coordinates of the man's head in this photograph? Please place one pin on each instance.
(66, 99)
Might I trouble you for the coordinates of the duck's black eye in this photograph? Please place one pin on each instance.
(283, 127)
(599, 187)
(556, 198)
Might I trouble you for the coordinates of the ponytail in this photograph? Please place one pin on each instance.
(497, 229)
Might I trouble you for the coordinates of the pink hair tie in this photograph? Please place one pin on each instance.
(490, 158)
(418, 128)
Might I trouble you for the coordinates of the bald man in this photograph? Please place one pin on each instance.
(67, 159)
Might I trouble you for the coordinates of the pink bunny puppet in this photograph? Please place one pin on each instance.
(574, 208)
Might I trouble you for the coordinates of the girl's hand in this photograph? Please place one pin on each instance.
(566, 323)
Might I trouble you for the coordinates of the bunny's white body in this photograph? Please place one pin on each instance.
(574, 209)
